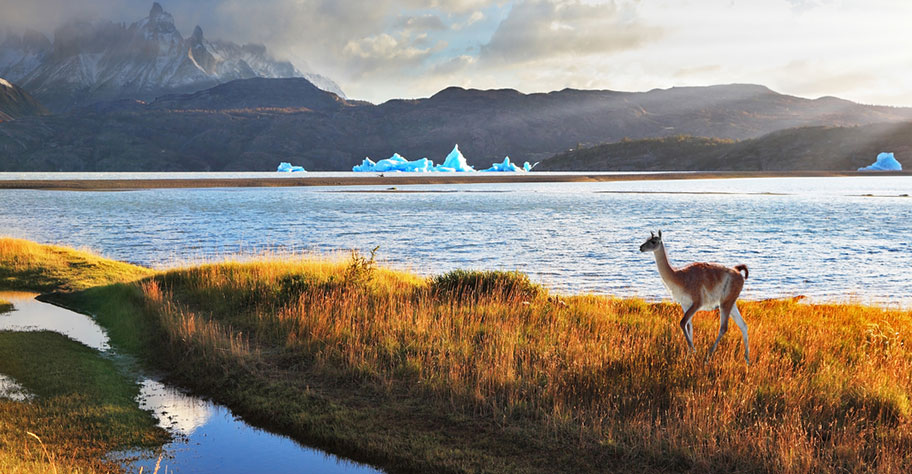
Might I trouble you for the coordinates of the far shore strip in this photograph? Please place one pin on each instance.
(393, 179)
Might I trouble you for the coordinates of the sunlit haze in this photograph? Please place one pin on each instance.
(382, 49)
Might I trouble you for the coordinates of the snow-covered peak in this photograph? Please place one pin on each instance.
(5, 83)
(103, 60)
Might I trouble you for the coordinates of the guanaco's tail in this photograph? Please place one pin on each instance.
(743, 268)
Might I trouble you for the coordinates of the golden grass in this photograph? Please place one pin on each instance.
(28, 265)
(403, 371)
(829, 388)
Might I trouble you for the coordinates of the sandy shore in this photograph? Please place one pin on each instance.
(392, 179)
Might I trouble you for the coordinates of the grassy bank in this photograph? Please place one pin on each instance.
(25, 265)
(486, 372)
(82, 406)
(5, 306)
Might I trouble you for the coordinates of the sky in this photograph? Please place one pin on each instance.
(377, 50)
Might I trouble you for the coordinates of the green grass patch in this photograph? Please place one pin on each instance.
(83, 407)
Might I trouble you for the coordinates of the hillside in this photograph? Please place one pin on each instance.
(253, 124)
(803, 148)
(15, 102)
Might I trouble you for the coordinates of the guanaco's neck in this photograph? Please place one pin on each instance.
(665, 269)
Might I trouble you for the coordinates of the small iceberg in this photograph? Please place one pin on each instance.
(455, 162)
(507, 165)
(285, 167)
(885, 162)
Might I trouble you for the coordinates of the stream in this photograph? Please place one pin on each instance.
(208, 438)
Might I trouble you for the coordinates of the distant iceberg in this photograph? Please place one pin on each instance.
(395, 163)
(454, 162)
(507, 165)
(885, 162)
(288, 168)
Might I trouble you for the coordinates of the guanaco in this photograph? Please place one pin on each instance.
(702, 286)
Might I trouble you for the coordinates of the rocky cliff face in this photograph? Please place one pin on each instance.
(90, 62)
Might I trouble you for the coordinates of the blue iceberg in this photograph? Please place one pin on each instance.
(395, 163)
(507, 165)
(885, 162)
(454, 162)
(285, 167)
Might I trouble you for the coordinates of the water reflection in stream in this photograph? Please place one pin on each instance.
(209, 438)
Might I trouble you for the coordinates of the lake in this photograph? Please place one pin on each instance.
(831, 239)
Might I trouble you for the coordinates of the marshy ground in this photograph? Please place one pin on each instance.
(478, 371)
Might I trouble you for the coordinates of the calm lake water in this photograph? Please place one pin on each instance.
(831, 239)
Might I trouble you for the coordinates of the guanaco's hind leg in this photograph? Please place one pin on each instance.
(687, 326)
(736, 315)
(723, 327)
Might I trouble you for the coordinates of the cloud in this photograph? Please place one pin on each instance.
(537, 29)
(453, 66)
(385, 53)
(475, 17)
(419, 23)
(378, 49)
(46, 15)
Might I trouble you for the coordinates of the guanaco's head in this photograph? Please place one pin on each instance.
(652, 243)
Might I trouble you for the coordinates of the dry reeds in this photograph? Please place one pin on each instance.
(830, 387)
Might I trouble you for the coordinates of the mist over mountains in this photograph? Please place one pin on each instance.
(88, 62)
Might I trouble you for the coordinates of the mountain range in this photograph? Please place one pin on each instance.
(801, 148)
(252, 124)
(88, 62)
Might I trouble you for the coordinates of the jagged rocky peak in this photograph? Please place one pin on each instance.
(159, 25)
(102, 60)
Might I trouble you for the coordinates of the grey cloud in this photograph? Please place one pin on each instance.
(420, 23)
(538, 29)
(453, 66)
(47, 15)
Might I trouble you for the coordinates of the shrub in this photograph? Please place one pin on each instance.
(490, 283)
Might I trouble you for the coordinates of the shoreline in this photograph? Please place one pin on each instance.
(372, 179)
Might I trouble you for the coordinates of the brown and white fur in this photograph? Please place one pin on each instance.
(702, 286)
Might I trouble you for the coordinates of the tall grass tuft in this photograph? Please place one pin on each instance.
(480, 284)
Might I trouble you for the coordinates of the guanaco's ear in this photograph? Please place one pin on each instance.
(652, 234)
(660, 233)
